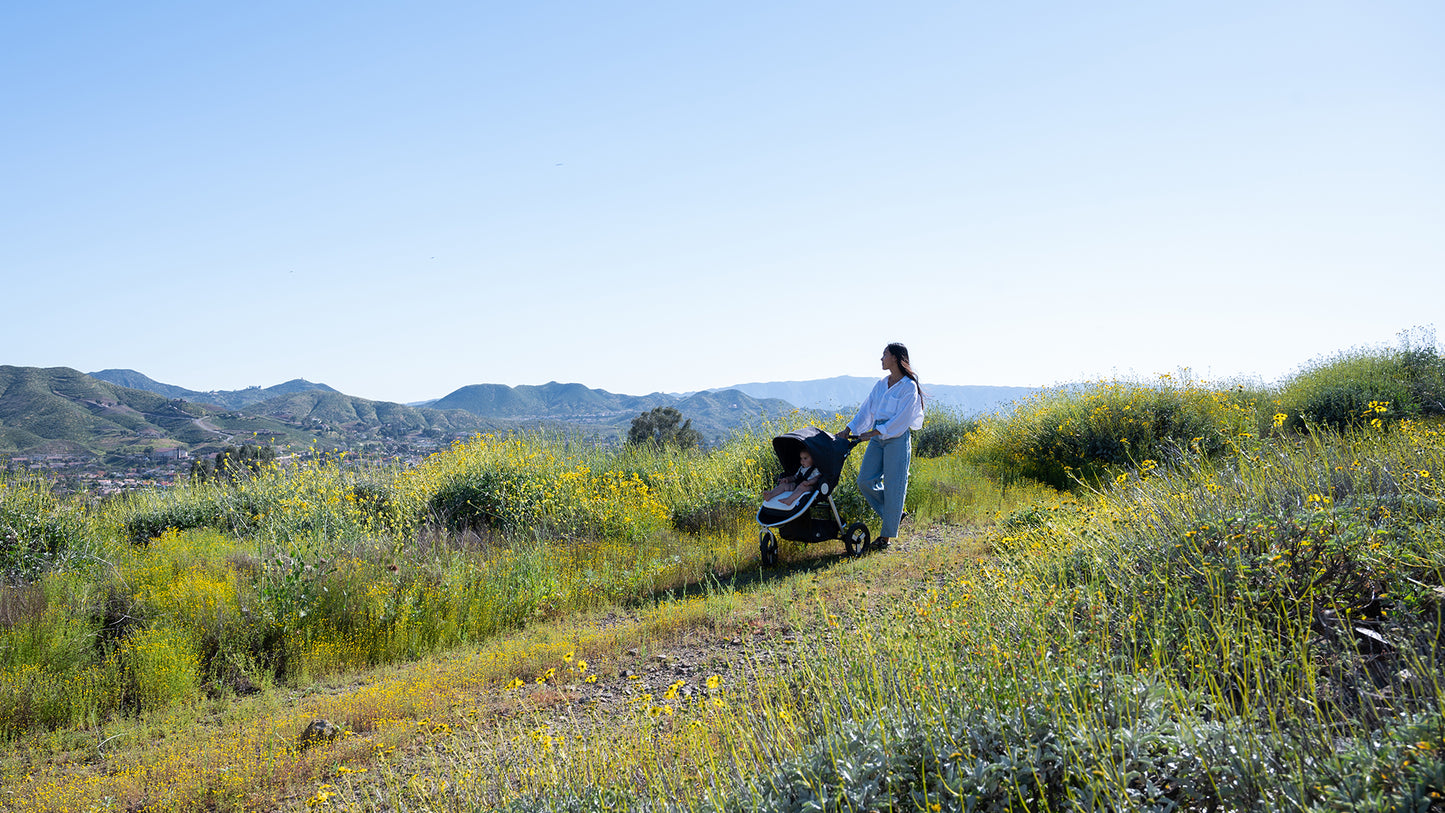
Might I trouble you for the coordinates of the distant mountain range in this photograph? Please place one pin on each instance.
(327, 407)
(231, 399)
(62, 411)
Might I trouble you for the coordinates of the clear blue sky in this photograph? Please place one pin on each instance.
(402, 199)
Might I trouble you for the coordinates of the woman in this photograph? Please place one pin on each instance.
(893, 408)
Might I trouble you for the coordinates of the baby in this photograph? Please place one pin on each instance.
(791, 488)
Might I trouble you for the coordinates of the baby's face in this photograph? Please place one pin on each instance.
(805, 459)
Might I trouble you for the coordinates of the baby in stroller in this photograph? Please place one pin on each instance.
(812, 461)
(791, 488)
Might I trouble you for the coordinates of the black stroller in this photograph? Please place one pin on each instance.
(800, 522)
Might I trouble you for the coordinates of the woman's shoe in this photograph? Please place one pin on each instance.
(881, 542)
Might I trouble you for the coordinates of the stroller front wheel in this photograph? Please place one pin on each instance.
(855, 539)
(768, 549)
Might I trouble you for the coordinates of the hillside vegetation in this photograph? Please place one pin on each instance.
(1140, 595)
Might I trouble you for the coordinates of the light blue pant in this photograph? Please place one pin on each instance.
(883, 479)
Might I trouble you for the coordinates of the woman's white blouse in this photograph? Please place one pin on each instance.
(891, 410)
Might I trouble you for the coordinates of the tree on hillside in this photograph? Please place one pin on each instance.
(664, 426)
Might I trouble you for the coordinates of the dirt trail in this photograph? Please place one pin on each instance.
(203, 424)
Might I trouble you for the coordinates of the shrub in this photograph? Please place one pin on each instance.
(715, 510)
(483, 499)
(1366, 386)
(942, 433)
(1425, 370)
(1399, 767)
(38, 532)
(1065, 437)
(145, 516)
(588, 800)
(1346, 392)
(162, 666)
(539, 485)
(1135, 745)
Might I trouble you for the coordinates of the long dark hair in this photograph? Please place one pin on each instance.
(899, 352)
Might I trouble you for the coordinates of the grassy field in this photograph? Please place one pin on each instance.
(1139, 595)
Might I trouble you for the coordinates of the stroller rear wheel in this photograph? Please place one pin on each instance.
(768, 549)
(855, 539)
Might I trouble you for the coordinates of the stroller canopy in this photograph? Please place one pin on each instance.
(828, 452)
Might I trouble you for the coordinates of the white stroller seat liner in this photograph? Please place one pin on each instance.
(779, 503)
(772, 513)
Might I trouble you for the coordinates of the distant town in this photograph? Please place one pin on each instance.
(116, 474)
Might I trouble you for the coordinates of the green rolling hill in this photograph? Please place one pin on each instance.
(58, 410)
